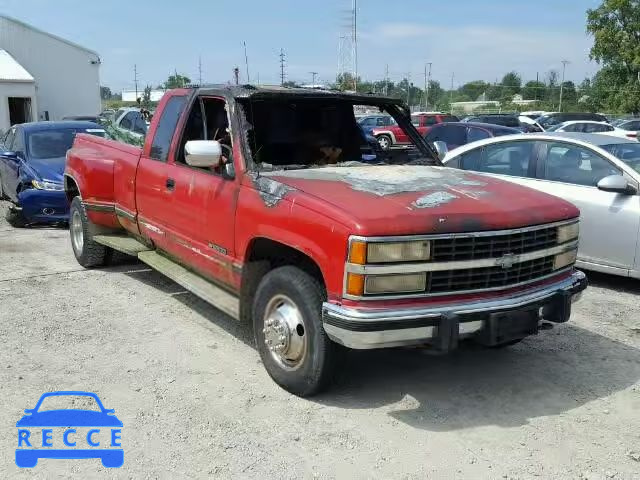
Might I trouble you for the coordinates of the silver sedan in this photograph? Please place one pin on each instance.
(599, 174)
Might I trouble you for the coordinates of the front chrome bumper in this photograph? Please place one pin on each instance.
(491, 321)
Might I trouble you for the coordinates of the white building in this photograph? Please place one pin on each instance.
(44, 77)
(130, 95)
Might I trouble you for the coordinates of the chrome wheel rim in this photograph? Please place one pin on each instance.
(77, 233)
(285, 334)
(383, 142)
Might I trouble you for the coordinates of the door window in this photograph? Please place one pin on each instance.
(415, 120)
(139, 125)
(127, 121)
(476, 134)
(507, 158)
(207, 120)
(166, 127)
(597, 128)
(428, 121)
(577, 165)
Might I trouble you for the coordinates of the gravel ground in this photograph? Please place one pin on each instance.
(195, 401)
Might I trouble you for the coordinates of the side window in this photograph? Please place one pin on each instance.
(507, 158)
(368, 122)
(597, 128)
(166, 127)
(453, 135)
(415, 120)
(127, 121)
(577, 165)
(428, 121)
(381, 122)
(574, 127)
(470, 160)
(139, 126)
(207, 120)
(476, 134)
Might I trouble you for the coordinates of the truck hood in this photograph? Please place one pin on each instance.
(407, 199)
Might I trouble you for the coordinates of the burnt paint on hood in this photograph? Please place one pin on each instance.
(405, 199)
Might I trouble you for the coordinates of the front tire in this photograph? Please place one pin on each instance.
(15, 218)
(287, 322)
(88, 252)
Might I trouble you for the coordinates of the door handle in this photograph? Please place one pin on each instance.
(171, 183)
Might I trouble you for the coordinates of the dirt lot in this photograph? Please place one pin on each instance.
(196, 402)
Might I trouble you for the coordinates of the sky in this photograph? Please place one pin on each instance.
(464, 39)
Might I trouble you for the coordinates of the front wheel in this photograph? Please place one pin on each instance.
(287, 322)
(15, 218)
(88, 252)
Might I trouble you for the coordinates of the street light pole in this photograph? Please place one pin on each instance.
(427, 81)
(564, 66)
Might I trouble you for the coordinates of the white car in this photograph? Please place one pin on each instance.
(131, 121)
(587, 126)
(630, 125)
(599, 174)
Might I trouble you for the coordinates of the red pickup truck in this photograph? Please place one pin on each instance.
(394, 135)
(270, 204)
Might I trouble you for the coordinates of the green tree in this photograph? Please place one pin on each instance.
(105, 93)
(533, 90)
(615, 26)
(290, 83)
(511, 84)
(176, 81)
(473, 90)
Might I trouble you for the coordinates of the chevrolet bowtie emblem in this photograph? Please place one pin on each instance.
(506, 261)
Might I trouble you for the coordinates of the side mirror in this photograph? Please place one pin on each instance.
(203, 153)
(9, 154)
(617, 184)
(441, 148)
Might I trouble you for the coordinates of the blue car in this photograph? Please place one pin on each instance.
(32, 159)
(37, 439)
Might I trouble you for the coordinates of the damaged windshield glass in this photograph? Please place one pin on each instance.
(300, 133)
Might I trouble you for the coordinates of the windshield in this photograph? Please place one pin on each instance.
(294, 133)
(629, 153)
(55, 143)
(547, 122)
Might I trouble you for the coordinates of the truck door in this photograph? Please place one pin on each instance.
(203, 200)
(154, 190)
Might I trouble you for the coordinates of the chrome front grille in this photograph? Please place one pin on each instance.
(483, 278)
(475, 247)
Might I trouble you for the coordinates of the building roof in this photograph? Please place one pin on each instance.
(11, 70)
(64, 40)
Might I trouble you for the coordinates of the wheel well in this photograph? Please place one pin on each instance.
(263, 255)
(70, 188)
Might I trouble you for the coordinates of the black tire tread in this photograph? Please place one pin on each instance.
(16, 219)
(93, 254)
(310, 289)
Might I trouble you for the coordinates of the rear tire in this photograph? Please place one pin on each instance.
(287, 323)
(88, 252)
(385, 142)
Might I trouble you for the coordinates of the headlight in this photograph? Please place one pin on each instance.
(406, 283)
(565, 259)
(44, 185)
(568, 232)
(389, 252)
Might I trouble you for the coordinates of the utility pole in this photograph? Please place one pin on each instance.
(408, 88)
(564, 67)
(282, 57)
(200, 71)
(236, 75)
(451, 94)
(355, 45)
(386, 79)
(427, 81)
(313, 78)
(135, 78)
(246, 61)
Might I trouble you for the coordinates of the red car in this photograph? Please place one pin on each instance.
(265, 203)
(393, 135)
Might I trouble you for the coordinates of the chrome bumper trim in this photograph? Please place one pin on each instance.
(377, 328)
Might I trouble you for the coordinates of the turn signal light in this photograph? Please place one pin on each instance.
(358, 252)
(355, 284)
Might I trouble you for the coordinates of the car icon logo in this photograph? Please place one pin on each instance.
(507, 261)
(69, 433)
